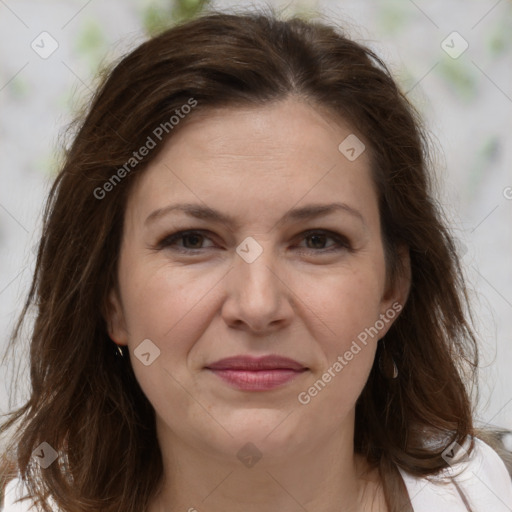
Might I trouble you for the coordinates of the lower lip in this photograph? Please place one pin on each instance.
(261, 380)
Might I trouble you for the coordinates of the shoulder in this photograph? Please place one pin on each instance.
(16, 489)
(482, 477)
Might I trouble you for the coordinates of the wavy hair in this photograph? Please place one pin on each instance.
(86, 403)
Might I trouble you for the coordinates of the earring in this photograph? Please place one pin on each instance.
(387, 364)
(118, 351)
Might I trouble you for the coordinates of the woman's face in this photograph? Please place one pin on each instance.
(254, 283)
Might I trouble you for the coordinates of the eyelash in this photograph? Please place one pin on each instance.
(341, 241)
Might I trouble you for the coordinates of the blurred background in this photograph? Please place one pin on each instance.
(453, 58)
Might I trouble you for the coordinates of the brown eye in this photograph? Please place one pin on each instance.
(193, 238)
(316, 241)
(192, 241)
(319, 238)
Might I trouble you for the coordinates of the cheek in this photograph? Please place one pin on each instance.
(347, 304)
(175, 305)
(172, 307)
(168, 307)
(349, 307)
(159, 298)
(348, 350)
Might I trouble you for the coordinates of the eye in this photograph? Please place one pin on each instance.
(194, 237)
(193, 241)
(319, 237)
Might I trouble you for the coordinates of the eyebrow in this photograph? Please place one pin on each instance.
(206, 213)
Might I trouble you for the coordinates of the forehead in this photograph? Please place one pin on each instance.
(286, 129)
(256, 158)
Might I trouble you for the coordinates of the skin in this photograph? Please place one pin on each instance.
(294, 300)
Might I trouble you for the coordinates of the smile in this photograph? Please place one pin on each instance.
(258, 380)
(257, 373)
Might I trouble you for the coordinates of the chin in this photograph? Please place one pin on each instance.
(272, 434)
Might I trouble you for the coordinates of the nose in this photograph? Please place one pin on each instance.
(258, 297)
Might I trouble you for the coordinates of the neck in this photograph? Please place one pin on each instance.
(324, 477)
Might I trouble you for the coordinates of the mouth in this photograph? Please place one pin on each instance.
(257, 374)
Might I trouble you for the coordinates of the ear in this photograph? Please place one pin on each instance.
(396, 294)
(114, 317)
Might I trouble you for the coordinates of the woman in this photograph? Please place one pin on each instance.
(309, 349)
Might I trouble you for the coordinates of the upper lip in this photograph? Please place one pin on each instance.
(271, 362)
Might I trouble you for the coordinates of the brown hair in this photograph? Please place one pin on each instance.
(87, 404)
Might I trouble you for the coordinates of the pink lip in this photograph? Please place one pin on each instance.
(257, 373)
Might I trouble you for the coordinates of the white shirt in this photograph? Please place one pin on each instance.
(484, 480)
